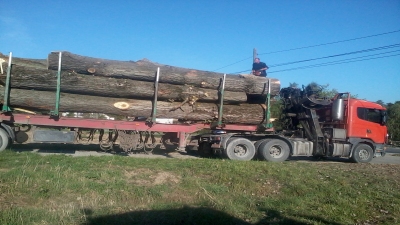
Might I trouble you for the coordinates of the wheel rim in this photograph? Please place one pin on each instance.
(240, 150)
(363, 154)
(276, 151)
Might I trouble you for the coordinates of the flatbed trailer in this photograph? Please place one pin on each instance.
(15, 124)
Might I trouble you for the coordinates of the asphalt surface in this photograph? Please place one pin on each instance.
(393, 150)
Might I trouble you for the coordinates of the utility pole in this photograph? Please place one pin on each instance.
(254, 53)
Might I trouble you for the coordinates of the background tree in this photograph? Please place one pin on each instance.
(393, 122)
(380, 102)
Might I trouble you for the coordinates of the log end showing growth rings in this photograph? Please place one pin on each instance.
(91, 70)
(121, 105)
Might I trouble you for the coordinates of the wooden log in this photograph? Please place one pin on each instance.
(144, 70)
(36, 63)
(39, 78)
(204, 112)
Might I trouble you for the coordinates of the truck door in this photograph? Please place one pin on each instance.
(368, 124)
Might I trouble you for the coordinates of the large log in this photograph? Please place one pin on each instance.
(204, 112)
(39, 78)
(145, 70)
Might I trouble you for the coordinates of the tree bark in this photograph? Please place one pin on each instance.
(145, 70)
(44, 101)
(38, 78)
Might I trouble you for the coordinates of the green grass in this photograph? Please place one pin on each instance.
(61, 189)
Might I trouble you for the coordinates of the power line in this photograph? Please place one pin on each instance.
(311, 46)
(334, 63)
(232, 64)
(337, 55)
(330, 43)
(343, 54)
(359, 57)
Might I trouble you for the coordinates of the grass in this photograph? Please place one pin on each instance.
(60, 189)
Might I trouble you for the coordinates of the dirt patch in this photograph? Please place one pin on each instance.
(165, 177)
(4, 170)
(147, 177)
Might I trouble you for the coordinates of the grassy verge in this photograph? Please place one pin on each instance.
(60, 189)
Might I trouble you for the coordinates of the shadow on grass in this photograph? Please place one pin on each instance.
(169, 152)
(192, 215)
(93, 149)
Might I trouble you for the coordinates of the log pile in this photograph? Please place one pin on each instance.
(95, 85)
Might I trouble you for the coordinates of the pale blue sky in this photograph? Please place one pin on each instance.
(209, 35)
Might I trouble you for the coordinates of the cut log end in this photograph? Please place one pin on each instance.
(91, 70)
(122, 105)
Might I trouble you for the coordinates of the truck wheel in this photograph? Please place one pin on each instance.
(205, 150)
(274, 150)
(240, 149)
(4, 140)
(258, 144)
(363, 153)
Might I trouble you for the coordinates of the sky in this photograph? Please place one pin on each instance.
(352, 46)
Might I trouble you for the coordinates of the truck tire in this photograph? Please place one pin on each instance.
(363, 153)
(4, 139)
(257, 145)
(239, 149)
(274, 150)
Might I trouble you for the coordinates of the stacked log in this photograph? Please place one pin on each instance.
(95, 86)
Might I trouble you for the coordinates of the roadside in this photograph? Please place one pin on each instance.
(77, 150)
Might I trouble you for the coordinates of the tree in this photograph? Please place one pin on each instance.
(393, 122)
(380, 102)
(321, 91)
(294, 85)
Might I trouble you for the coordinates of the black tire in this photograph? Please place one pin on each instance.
(205, 150)
(274, 150)
(363, 153)
(239, 149)
(258, 144)
(4, 140)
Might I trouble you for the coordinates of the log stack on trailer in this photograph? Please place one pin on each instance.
(127, 88)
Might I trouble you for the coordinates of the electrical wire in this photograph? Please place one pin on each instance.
(343, 54)
(311, 46)
(232, 64)
(333, 63)
(330, 43)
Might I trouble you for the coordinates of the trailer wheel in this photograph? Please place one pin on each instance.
(4, 140)
(363, 153)
(240, 149)
(274, 150)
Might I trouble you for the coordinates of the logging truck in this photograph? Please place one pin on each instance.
(310, 126)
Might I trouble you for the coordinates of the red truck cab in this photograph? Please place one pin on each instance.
(366, 120)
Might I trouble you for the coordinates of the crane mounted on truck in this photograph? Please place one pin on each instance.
(342, 127)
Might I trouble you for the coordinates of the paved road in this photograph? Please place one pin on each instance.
(392, 157)
(393, 150)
